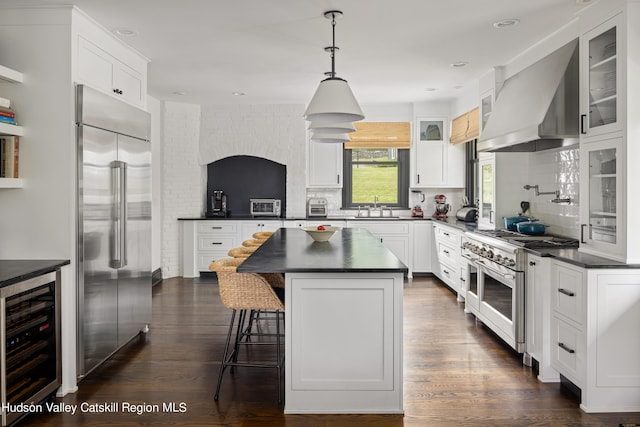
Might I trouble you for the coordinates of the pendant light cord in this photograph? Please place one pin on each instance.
(333, 46)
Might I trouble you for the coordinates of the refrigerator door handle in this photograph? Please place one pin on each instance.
(124, 216)
(119, 227)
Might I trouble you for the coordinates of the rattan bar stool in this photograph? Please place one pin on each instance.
(253, 242)
(242, 251)
(262, 235)
(244, 292)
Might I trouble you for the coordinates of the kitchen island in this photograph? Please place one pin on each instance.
(343, 319)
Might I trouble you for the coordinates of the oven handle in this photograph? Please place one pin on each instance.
(508, 278)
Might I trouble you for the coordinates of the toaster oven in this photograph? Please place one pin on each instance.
(265, 207)
(317, 207)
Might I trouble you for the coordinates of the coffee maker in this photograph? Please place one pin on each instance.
(218, 205)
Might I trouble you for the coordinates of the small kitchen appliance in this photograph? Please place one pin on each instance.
(417, 211)
(218, 205)
(317, 207)
(467, 214)
(265, 207)
(442, 207)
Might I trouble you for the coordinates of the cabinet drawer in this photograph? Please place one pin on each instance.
(447, 235)
(568, 292)
(567, 350)
(222, 243)
(450, 275)
(448, 255)
(206, 258)
(222, 227)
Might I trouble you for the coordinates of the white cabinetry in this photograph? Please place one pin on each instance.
(105, 63)
(435, 162)
(324, 165)
(595, 314)
(609, 55)
(422, 243)
(250, 227)
(448, 268)
(206, 241)
(538, 316)
(394, 235)
(12, 76)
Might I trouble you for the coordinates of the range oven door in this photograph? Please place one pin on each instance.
(470, 280)
(501, 304)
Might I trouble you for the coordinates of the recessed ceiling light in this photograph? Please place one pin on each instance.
(431, 89)
(458, 87)
(583, 1)
(126, 32)
(238, 93)
(179, 92)
(459, 64)
(506, 23)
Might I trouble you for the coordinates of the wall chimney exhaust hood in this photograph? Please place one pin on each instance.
(537, 108)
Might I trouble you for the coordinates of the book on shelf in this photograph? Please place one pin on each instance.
(9, 156)
(10, 120)
(5, 103)
(7, 113)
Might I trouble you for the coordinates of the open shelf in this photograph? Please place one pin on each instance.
(7, 129)
(11, 75)
(11, 182)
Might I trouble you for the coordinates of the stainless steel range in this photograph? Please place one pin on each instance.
(495, 279)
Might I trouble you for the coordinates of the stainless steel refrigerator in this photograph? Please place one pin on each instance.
(114, 225)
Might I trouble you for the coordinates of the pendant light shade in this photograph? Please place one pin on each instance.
(332, 127)
(333, 101)
(335, 138)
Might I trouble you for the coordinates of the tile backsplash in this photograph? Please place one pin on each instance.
(555, 170)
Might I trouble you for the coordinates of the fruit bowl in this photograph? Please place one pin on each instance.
(321, 235)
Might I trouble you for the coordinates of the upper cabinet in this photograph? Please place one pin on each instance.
(435, 162)
(486, 107)
(609, 149)
(105, 63)
(324, 165)
(602, 91)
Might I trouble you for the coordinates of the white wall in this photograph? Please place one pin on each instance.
(274, 132)
(154, 108)
(181, 178)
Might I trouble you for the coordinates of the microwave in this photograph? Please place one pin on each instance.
(317, 207)
(265, 207)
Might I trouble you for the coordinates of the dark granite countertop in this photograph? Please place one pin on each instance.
(14, 271)
(349, 250)
(581, 259)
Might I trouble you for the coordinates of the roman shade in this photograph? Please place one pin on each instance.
(465, 127)
(380, 135)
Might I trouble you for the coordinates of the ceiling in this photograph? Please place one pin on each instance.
(202, 51)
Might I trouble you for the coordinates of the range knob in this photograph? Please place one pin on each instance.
(498, 259)
(510, 262)
(489, 254)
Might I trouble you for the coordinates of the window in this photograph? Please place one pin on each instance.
(371, 172)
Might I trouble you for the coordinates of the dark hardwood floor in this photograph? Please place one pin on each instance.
(456, 373)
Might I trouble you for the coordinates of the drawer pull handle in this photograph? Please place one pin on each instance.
(532, 263)
(216, 243)
(446, 234)
(216, 228)
(446, 251)
(566, 292)
(565, 348)
(446, 272)
(462, 280)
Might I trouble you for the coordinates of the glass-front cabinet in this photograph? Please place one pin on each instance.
(601, 198)
(601, 86)
(486, 189)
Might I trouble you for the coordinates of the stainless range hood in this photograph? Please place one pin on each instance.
(537, 109)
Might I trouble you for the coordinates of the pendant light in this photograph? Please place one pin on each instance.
(333, 101)
(337, 138)
(332, 127)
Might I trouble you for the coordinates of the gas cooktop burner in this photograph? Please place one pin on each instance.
(532, 242)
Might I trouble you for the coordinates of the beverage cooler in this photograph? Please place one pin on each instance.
(30, 356)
